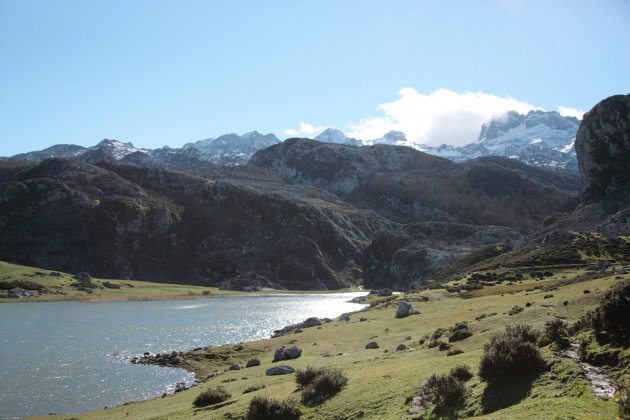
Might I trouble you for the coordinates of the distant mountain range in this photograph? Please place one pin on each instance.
(542, 139)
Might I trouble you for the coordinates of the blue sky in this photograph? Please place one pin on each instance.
(160, 73)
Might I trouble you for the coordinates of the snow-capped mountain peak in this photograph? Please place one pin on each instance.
(333, 135)
(116, 148)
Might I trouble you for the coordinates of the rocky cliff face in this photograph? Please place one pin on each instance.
(603, 147)
(603, 150)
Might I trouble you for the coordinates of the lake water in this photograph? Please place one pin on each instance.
(70, 357)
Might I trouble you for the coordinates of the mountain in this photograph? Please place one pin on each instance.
(150, 223)
(232, 149)
(59, 150)
(227, 150)
(542, 139)
(407, 185)
(442, 209)
(332, 135)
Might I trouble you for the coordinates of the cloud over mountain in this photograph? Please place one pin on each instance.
(441, 117)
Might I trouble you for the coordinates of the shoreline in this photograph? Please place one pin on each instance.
(241, 295)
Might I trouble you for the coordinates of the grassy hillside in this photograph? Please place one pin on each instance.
(55, 285)
(383, 382)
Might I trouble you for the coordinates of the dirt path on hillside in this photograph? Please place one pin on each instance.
(601, 382)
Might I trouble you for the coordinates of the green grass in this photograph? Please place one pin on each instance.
(61, 288)
(382, 382)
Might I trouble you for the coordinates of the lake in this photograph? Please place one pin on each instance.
(70, 357)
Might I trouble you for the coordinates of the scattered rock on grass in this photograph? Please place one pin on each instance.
(279, 370)
(252, 362)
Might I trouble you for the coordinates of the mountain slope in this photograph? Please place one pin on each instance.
(408, 185)
(150, 223)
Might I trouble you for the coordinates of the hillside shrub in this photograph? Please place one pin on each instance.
(319, 384)
(611, 316)
(306, 376)
(253, 388)
(211, 396)
(554, 331)
(461, 372)
(459, 332)
(23, 284)
(444, 391)
(515, 310)
(454, 352)
(265, 408)
(444, 346)
(622, 398)
(509, 354)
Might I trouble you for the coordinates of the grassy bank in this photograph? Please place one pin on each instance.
(382, 382)
(58, 286)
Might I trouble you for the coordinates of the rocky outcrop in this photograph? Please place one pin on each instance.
(603, 147)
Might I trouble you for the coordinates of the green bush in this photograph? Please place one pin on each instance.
(437, 334)
(459, 332)
(306, 376)
(444, 391)
(611, 316)
(509, 354)
(622, 398)
(461, 372)
(443, 346)
(253, 388)
(264, 408)
(554, 330)
(211, 396)
(319, 384)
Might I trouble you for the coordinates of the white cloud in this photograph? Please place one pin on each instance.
(305, 130)
(570, 112)
(441, 117)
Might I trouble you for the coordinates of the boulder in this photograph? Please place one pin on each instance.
(288, 354)
(344, 317)
(278, 354)
(311, 322)
(404, 309)
(371, 345)
(279, 370)
(252, 363)
(235, 366)
(293, 353)
(401, 347)
(384, 292)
